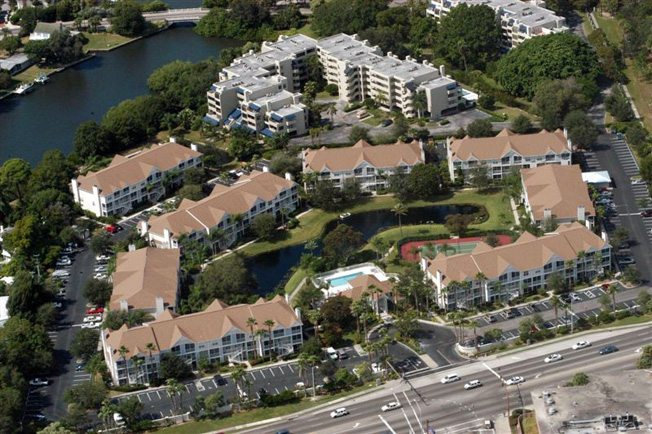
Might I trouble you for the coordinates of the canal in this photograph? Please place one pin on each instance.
(271, 268)
(48, 117)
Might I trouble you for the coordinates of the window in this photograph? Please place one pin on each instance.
(278, 333)
(175, 349)
(189, 348)
(226, 340)
(547, 267)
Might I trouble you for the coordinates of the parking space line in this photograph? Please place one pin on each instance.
(214, 383)
(272, 371)
(290, 366)
(281, 369)
(138, 396)
(158, 392)
(187, 388)
(262, 373)
(277, 392)
(252, 375)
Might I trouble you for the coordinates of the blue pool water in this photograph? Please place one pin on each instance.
(339, 281)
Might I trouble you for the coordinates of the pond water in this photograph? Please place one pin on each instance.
(271, 268)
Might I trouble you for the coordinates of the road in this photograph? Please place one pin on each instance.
(450, 408)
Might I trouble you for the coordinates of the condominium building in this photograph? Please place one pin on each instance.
(489, 274)
(361, 71)
(260, 91)
(507, 152)
(146, 279)
(219, 334)
(519, 20)
(135, 179)
(226, 213)
(556, 192)
(371, 166)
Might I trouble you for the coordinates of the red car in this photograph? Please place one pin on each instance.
(112, 229)
(94, 310)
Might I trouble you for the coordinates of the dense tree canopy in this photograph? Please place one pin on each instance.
(581, 129)
(26, 295)
(227, 279)
(469, 37)
(128, 18)
(342, 242)
(426, 181)
(556, 98)
(346, 16)
(25, 345)
(544, 58)
(84, 344)
(132, 121)
(247, 20)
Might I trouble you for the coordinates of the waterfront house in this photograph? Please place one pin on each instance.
(16, 63)
(43, 31)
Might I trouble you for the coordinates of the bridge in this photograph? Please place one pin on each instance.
(190, 15)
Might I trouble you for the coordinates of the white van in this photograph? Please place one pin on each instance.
(332, 353)
(59, 274)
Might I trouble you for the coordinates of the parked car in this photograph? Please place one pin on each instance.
(112, 229)
(450, 378)
(64, 262)
(491, 318)
(575, 297)
(91, 325)
(102, 258)
(39, 382)
(625, 260)
(608, 350)
(35, 416)
(339, 412)
(118, 419)
(386, 123)
(58, 305)
(581, 344)
(473, 384)
(94, 310)
(342, 354)
(92, 318)
(391, 406)
(80, 367)
(553, 358)
(221, 381)
(514, 380)
(646, 213)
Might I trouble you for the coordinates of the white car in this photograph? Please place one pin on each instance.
(64, 262)
(339, 412)
(581, 344)
(57, 305)
(473, 384)
(376, 368)
(118, 419)
(102, 258)
(301, 385)
(39, 382)
(93, 318)
(450, 378)
(91, 325)
(553, 358)
(391, 406)
(514, 380)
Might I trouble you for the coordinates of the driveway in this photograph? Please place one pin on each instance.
(439, 343)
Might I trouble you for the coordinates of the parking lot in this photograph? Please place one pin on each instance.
(274, 379)
(584, 305)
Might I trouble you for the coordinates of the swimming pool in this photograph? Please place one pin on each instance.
(342, 280)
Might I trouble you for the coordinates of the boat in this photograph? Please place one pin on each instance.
(42, 79)
(24, 88)
(346, 215)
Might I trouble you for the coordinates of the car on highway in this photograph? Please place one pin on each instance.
(473, 384)
(339, 412)
(581, 344)
(450, 378)
(553, 358)
(391, 406)
(608, 350)
(94, 310)
(514, 380)
(39, 382)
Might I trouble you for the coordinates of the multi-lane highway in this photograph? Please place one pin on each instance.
(450, 408)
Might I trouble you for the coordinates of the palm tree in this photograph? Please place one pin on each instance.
(303, 362)
(106, 413)
(581, 256)
(237, 218)
(375, 291)
(356, 311)
(364, 303)
(149, 347)
(420, 102)
(311, 246)
(613, 290)
(597, 261)
(461, 48)
(259, 339)
(379, 246)
(331, 109)
(475, 324)
(314, 316)
(380, 98)
(216, 235)
(251, 322)
(123, 353)
(269, 323)
(238, 376)
(400, 210)
(556, 303)
(175, 390)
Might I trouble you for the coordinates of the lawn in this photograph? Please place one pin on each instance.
(311, 224)
(294, 281)
(630, 320)
(256, 415)
(103, 41)
(32, 73)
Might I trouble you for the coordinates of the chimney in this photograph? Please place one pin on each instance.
(581, 215)
(442, 70)
(289, 176)
(265, 169)
(439, 278)
(194, 147)
(389, 54)
(604, 236)
(143, 227)
(547, 214)
(173, 139)
(132, 248)
(160, 306)
(297, 312)
(124, 306)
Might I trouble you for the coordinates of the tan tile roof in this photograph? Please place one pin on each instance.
(211, 324)
(340, 159)
(223, 200)
(144, 274)
(125, 171)
(494, 148)
(558, 188)
(361, 283)
(527, 253)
